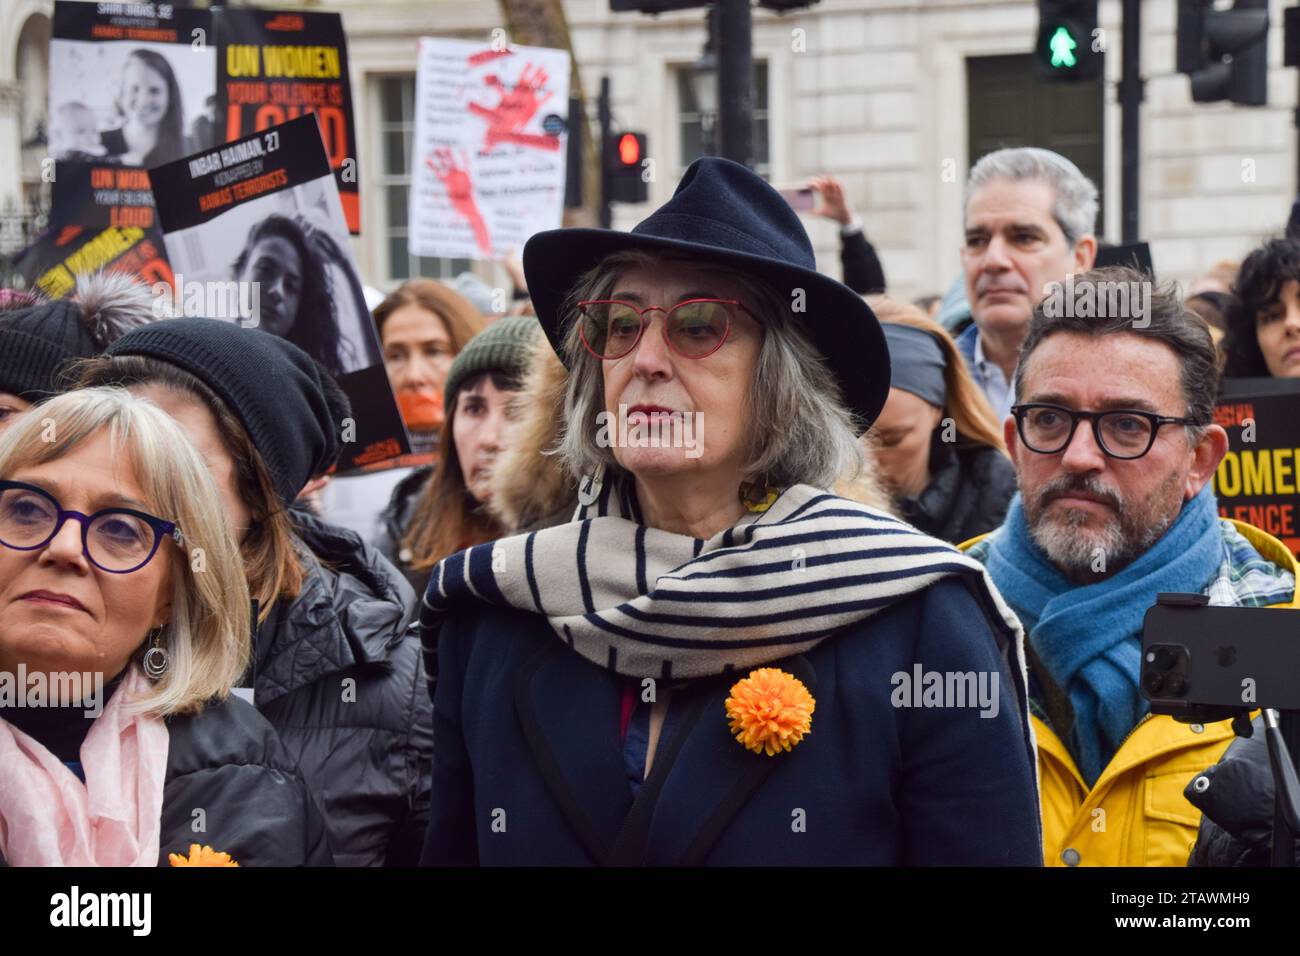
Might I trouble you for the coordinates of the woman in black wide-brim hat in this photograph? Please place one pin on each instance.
(717, 661)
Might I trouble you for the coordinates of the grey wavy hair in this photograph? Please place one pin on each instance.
(1075, 209)
(800, 430)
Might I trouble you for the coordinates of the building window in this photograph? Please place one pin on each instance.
(396, 139)
(1067, 118)
(697, 132)
(33, 72)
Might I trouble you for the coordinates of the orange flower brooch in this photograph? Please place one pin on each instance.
(770, 711)
(201, 856)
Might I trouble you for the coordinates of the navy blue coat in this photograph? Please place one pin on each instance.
(528, 760)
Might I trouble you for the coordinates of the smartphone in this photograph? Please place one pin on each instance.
(1199, 660)
(800, 198)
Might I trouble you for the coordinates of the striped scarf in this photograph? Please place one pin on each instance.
(648, 603)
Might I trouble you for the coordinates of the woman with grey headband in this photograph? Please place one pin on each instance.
(938, 444)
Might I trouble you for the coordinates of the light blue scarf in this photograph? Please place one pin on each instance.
(1089, 636)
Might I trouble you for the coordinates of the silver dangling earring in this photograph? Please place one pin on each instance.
(156, 659)
(589, 487)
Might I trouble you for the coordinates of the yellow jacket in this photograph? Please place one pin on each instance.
(1135, 814)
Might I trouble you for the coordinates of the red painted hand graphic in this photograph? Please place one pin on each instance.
(516, 107)
(460, 190)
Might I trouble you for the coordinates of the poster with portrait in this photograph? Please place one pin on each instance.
(97, 195)
(132, 85)
(276, 65)
(256, 235)
(1258, 481)
(488, 167)
(53, 262)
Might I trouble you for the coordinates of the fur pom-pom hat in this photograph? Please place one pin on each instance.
(39, 340)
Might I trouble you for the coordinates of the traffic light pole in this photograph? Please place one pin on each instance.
(606, 119)
(574, 155)
(1130, 104)
(735, 81)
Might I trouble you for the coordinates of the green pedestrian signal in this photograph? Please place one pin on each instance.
(1070, 46)
(1063, 46)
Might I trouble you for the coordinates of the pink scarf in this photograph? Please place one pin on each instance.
(50, 818)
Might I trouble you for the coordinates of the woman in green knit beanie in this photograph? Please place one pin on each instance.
(448, 513)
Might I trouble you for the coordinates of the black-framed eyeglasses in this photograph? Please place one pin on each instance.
(1123, 433)
(116, 540)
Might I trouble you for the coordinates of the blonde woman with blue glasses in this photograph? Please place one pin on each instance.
(123, 626)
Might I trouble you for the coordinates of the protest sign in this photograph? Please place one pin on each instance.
(52, 263)
(256, 235)
(132, 85)
(278, 65)
(1258, 481)
(1135, 255)
(488, 169)
(101, 194)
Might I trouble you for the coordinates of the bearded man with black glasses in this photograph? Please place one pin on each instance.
(1114, 447)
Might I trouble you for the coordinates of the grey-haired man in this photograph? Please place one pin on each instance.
(1028, 223)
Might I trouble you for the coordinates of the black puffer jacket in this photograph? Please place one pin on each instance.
(394, 521)
(339, 676)
(969, 490)
(229, 763)
(1235, 798)
(230, 784)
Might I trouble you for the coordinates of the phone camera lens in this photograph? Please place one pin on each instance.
(1162, 658)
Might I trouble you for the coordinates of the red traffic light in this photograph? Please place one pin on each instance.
(623, 178)
(629, 150)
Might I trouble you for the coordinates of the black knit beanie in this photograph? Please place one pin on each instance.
(274, 388)
(340, 407)
(501, 347)
(36, 342)
(38, 339)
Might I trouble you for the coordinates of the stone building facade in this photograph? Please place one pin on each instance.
(872, 91)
